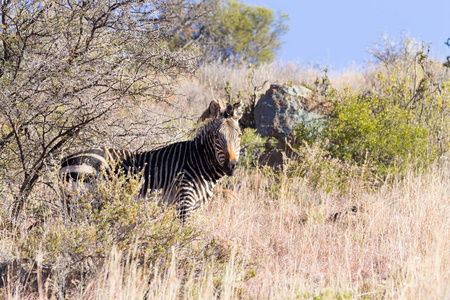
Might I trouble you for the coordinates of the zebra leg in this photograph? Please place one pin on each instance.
(186, 202)
(71, 193)
(69, 196)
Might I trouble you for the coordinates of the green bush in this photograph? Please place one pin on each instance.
(110, 217)
(372, 129)
(400, 122)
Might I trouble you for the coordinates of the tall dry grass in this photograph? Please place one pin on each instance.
(282, 242)
(396, 246)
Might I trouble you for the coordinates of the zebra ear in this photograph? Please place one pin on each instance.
(214, 109)
(237, 111)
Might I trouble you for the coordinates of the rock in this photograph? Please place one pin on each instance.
(281, 109)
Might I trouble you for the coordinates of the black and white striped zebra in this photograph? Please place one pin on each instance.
(186, 172)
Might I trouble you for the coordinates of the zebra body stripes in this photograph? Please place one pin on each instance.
(186, 172)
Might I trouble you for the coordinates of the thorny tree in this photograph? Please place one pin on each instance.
(65, 65)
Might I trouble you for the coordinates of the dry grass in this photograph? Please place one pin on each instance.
(394, 247)
(282, 245)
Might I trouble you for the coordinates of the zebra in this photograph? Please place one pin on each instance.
(186, 171)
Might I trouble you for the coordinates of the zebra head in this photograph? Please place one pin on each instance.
(226, 135)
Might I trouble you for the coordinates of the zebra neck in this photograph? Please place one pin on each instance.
(206, 143)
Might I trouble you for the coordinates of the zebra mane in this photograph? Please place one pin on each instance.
(208, 128)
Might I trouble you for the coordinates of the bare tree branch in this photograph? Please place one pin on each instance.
(69, 67)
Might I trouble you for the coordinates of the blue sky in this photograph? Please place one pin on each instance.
(337, 34)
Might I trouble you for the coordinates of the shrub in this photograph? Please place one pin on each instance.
(253, 146)
(110, 218)
(400, 121)
(372, 129)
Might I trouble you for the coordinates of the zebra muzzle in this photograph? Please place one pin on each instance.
(229, 167)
